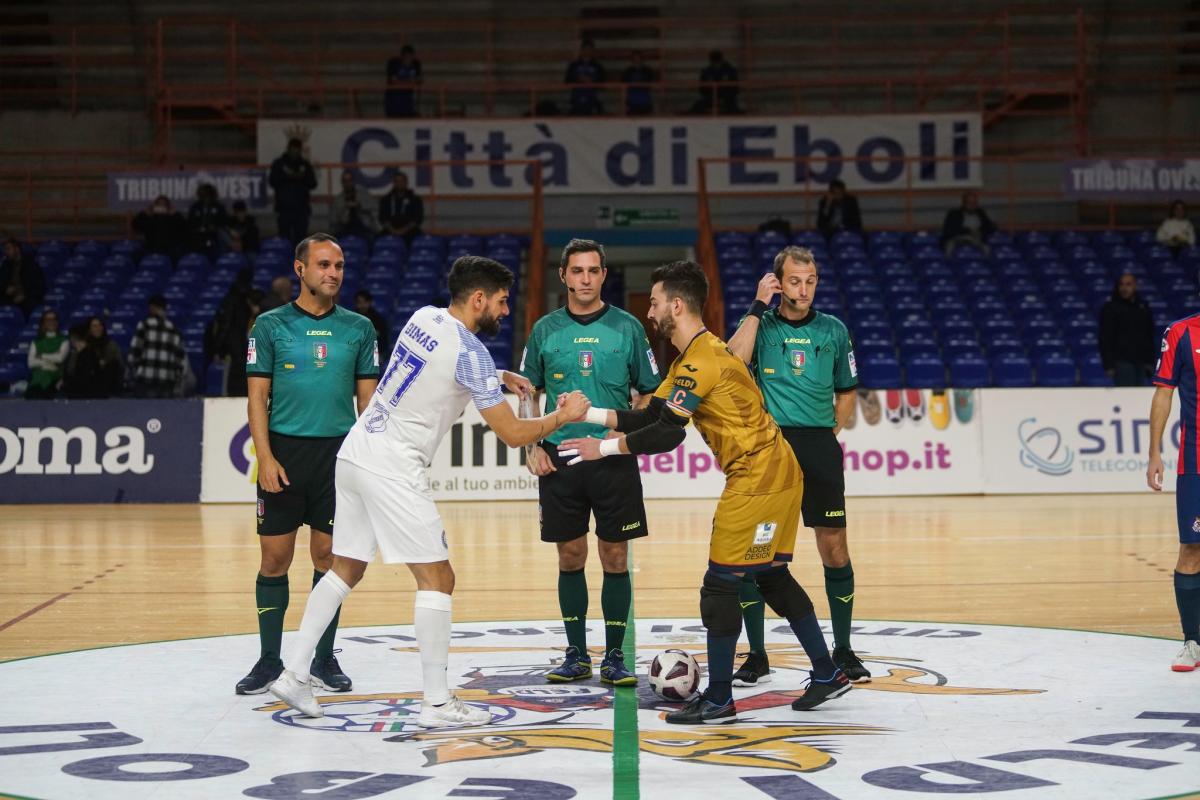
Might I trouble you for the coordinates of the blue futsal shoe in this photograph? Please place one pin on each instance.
(574, 667)
(612, 670)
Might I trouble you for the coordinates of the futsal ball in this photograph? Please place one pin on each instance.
(674, 675)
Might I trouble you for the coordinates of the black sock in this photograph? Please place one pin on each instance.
(616, 595)
(721, 649)
(573, 602)
(325, 644)
(271, 596)
(1187, 598)
(808, 631)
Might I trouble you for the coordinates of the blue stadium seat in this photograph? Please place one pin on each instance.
(879, 373)
(1056, 370)
(925, 372)
(277, 244)
(1091, 371)
(1012, 371)
(232, 261)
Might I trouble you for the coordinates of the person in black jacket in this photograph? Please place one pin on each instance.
(22, 283)
(585, 100)
(164, 229)
(206, 217)
(838, 211)
(292, 178)
(97, 369)
(401, 212)
(968, 224)
(1127, 335)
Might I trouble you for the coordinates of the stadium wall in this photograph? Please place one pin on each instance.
(990, 441)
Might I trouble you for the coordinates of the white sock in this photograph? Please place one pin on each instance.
(431, 619)
(323, 602)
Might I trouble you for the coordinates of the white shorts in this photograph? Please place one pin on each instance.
(398, 519)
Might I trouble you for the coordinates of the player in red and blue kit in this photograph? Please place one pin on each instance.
(1178, 367)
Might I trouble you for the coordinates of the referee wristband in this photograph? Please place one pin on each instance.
(610, 447)
(597, 416)
(757, 309)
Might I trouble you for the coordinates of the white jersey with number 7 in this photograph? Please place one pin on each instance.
(437, 367)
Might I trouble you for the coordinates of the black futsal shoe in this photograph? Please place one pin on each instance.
(325, 673)
(261, 676)
(819, 691)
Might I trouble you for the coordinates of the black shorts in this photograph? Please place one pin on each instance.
(820, 457)
(610, 488)
(308, 498)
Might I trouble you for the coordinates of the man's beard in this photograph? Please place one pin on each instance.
(665, 326)
(488, 325)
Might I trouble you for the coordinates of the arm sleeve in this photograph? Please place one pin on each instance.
(634, 420)
(135, 345)
(664, 435)
(477, 372)
(418, 210)
(531, 360)
(260, 352)
(845, 371)
(32, 358)
(1166, 373)
(643, 368)
(367, 365)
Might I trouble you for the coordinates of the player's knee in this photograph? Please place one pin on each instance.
(1189, 558)
(572, 555)
(781, 592)
(274, 563)
(719, 609)
(348, 569)
(614, 556)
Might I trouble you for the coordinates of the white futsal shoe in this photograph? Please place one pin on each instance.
(297, 694)
(1188, 658)
(453, 714)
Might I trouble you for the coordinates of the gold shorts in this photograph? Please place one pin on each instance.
(752, 530)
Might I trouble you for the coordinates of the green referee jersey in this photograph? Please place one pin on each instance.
(603, 358)
(801, 364)
(313, 363)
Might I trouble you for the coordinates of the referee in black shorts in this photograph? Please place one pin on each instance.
(311, 368)
(804, 362)
(603, 352)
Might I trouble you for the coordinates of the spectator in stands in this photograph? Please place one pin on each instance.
(724, 98)
(206, 218)
(402, 73)
(22, 283)
(238, 337)
(585, 100)
(95, 371)
(241, 230)
(280, 295)
(637, 95)
(162, 227)
(1176, 231)
(967, 225)
(364, 303)
(293, 180)
(838, 211)
(156, 355)
(349, 215)
(47, 355)
(401, 212)
(1127, 341)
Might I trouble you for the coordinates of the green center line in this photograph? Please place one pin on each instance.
(626, 745)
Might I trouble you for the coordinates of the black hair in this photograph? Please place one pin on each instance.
(581, 246)
(294, 142)
(685, 280)
(586, 43)
(239, 205)
(837, 183)
(365, 295)
(470, 274)
(157, 301)
(302, 248)
(407, 50)
(716, 55)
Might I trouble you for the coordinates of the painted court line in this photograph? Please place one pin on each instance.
(33, 611)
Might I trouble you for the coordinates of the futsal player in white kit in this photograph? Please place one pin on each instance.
(383, 498)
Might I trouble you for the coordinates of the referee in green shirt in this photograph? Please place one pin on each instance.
(603, 352)
(311, 368)
(804, 362)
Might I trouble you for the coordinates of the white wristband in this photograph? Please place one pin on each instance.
(610, 447)
(597, 416)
